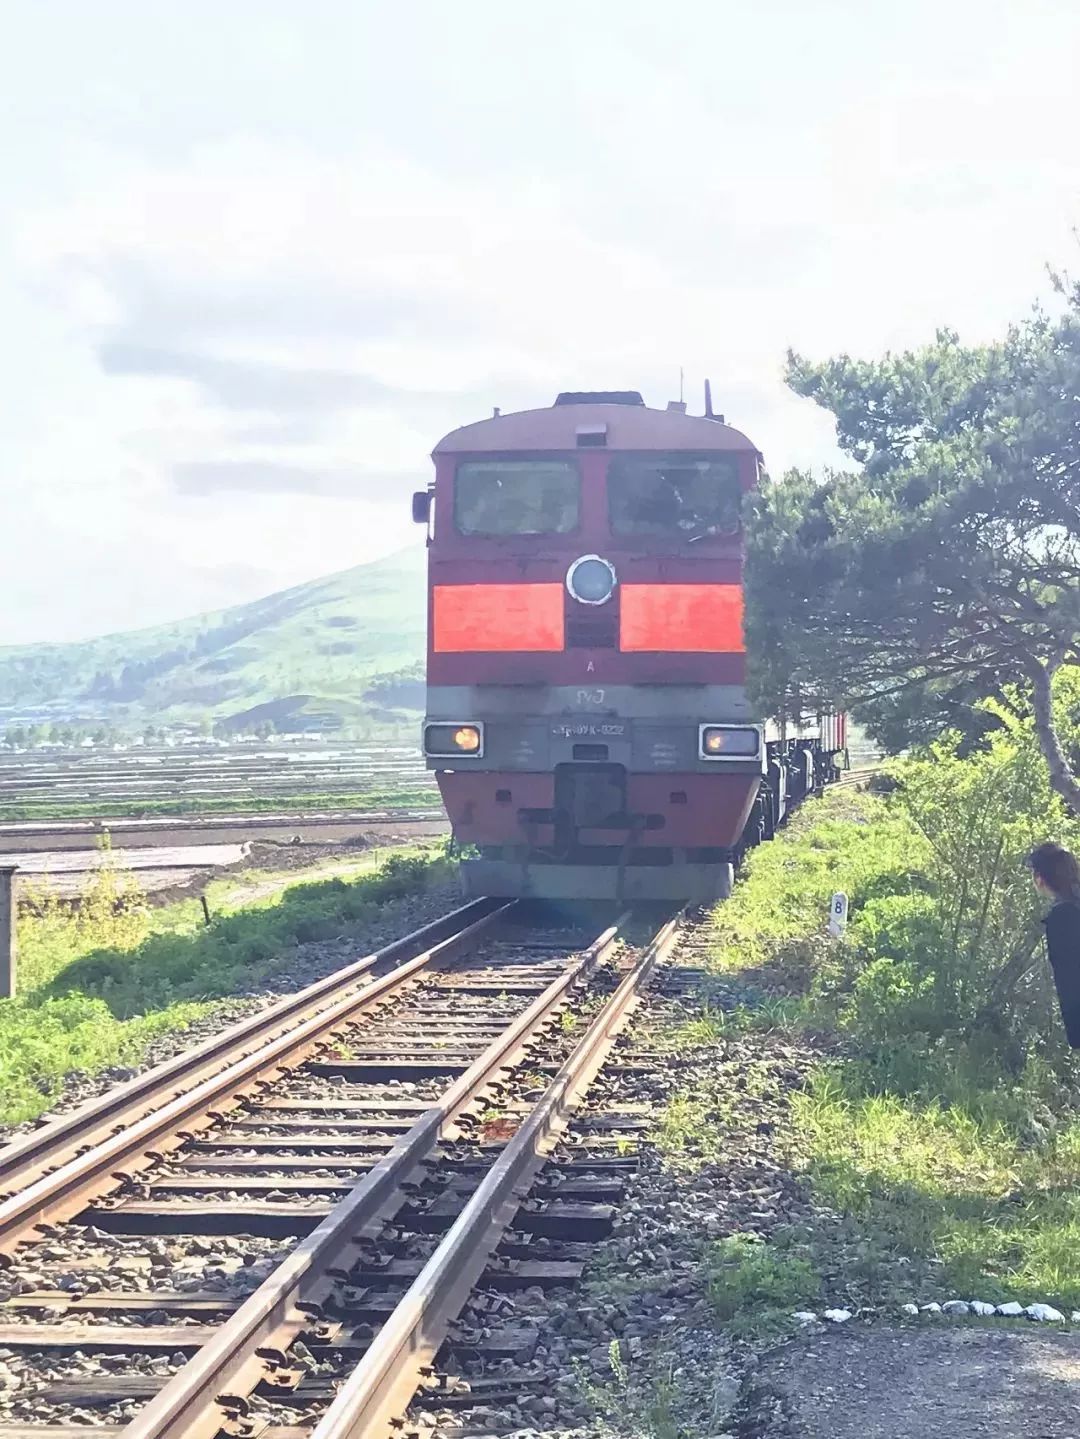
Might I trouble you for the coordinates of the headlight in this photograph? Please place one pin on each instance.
(446, 741)
(591, 580)
(719, 741)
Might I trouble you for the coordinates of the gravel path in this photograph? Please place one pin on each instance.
(877, 1383)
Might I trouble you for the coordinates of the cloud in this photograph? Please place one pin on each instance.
(213, 477)
(244, 384)
(254, 341)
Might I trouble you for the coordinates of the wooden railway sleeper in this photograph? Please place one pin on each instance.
(177, 1404)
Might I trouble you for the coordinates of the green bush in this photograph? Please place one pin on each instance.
(978, 938)
(943, 1148)
(944, 945)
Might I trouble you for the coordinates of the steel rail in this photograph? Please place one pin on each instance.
(140, 1143)
(370, 1403)
(192, 1405)
(60, 1139)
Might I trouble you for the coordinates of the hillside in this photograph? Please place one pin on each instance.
(343, 651)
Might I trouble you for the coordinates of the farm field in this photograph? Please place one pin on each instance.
(209, 778)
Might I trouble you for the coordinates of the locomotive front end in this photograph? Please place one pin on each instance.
(586, 713)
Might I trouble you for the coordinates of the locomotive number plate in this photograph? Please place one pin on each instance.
(588, 729)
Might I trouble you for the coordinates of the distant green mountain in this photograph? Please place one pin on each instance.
(344, 652)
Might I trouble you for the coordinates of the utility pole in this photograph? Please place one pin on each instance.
(7, 930)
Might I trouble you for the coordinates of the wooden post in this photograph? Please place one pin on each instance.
(7, 930)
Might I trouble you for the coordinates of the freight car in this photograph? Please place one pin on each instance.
(586, 718)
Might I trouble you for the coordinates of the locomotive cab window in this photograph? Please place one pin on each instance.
(690, 496)
(517, 497)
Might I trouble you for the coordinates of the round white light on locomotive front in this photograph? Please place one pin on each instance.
(591, 580)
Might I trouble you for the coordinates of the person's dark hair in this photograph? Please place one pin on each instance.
(1057, 868)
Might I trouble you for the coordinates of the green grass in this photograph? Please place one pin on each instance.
(96, 985)
(847, 842)
(973, 1209)
(754, 1287)
(401, 797)
(942, 1166)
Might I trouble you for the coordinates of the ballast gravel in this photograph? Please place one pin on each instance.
(641, 1331)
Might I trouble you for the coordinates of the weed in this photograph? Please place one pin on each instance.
(754, 1287)
(945, 1150)
(989, 1215)
(641, 1398)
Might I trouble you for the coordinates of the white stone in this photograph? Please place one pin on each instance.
(932, 1308)
(1044, 1314)
(980, 1307)
(955, 1306)
(804, 1316)
(909, 1309)
(837, 1316)
(1012, 1310)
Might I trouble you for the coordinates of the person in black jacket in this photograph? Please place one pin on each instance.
(1057, 875)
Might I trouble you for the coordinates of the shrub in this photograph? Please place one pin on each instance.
(956, 950)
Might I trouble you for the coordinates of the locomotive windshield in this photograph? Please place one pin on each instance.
(686, 495)
(517, 497)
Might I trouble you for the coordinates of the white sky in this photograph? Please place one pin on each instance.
(256, 256)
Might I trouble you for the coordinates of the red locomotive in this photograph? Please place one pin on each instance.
(586, 712)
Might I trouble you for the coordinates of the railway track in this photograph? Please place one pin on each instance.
(851, 778)
(275, 1233)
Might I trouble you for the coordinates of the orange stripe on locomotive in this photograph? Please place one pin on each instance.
(519, 617)
(681, 618)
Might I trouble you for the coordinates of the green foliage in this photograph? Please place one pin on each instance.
(943, 943)
(849, 842)
(974, 1205)
(40, 1043)
(51, 934)
(951, 559)
(969, 947)
(754, 1287)
(945, 1146)
(98, 984)
(643, 1399)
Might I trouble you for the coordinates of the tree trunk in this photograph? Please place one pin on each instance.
(1062, 779)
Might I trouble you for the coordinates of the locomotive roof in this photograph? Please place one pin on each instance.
(629, 427)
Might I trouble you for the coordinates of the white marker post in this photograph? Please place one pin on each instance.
(7, 930)
(837, 915)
